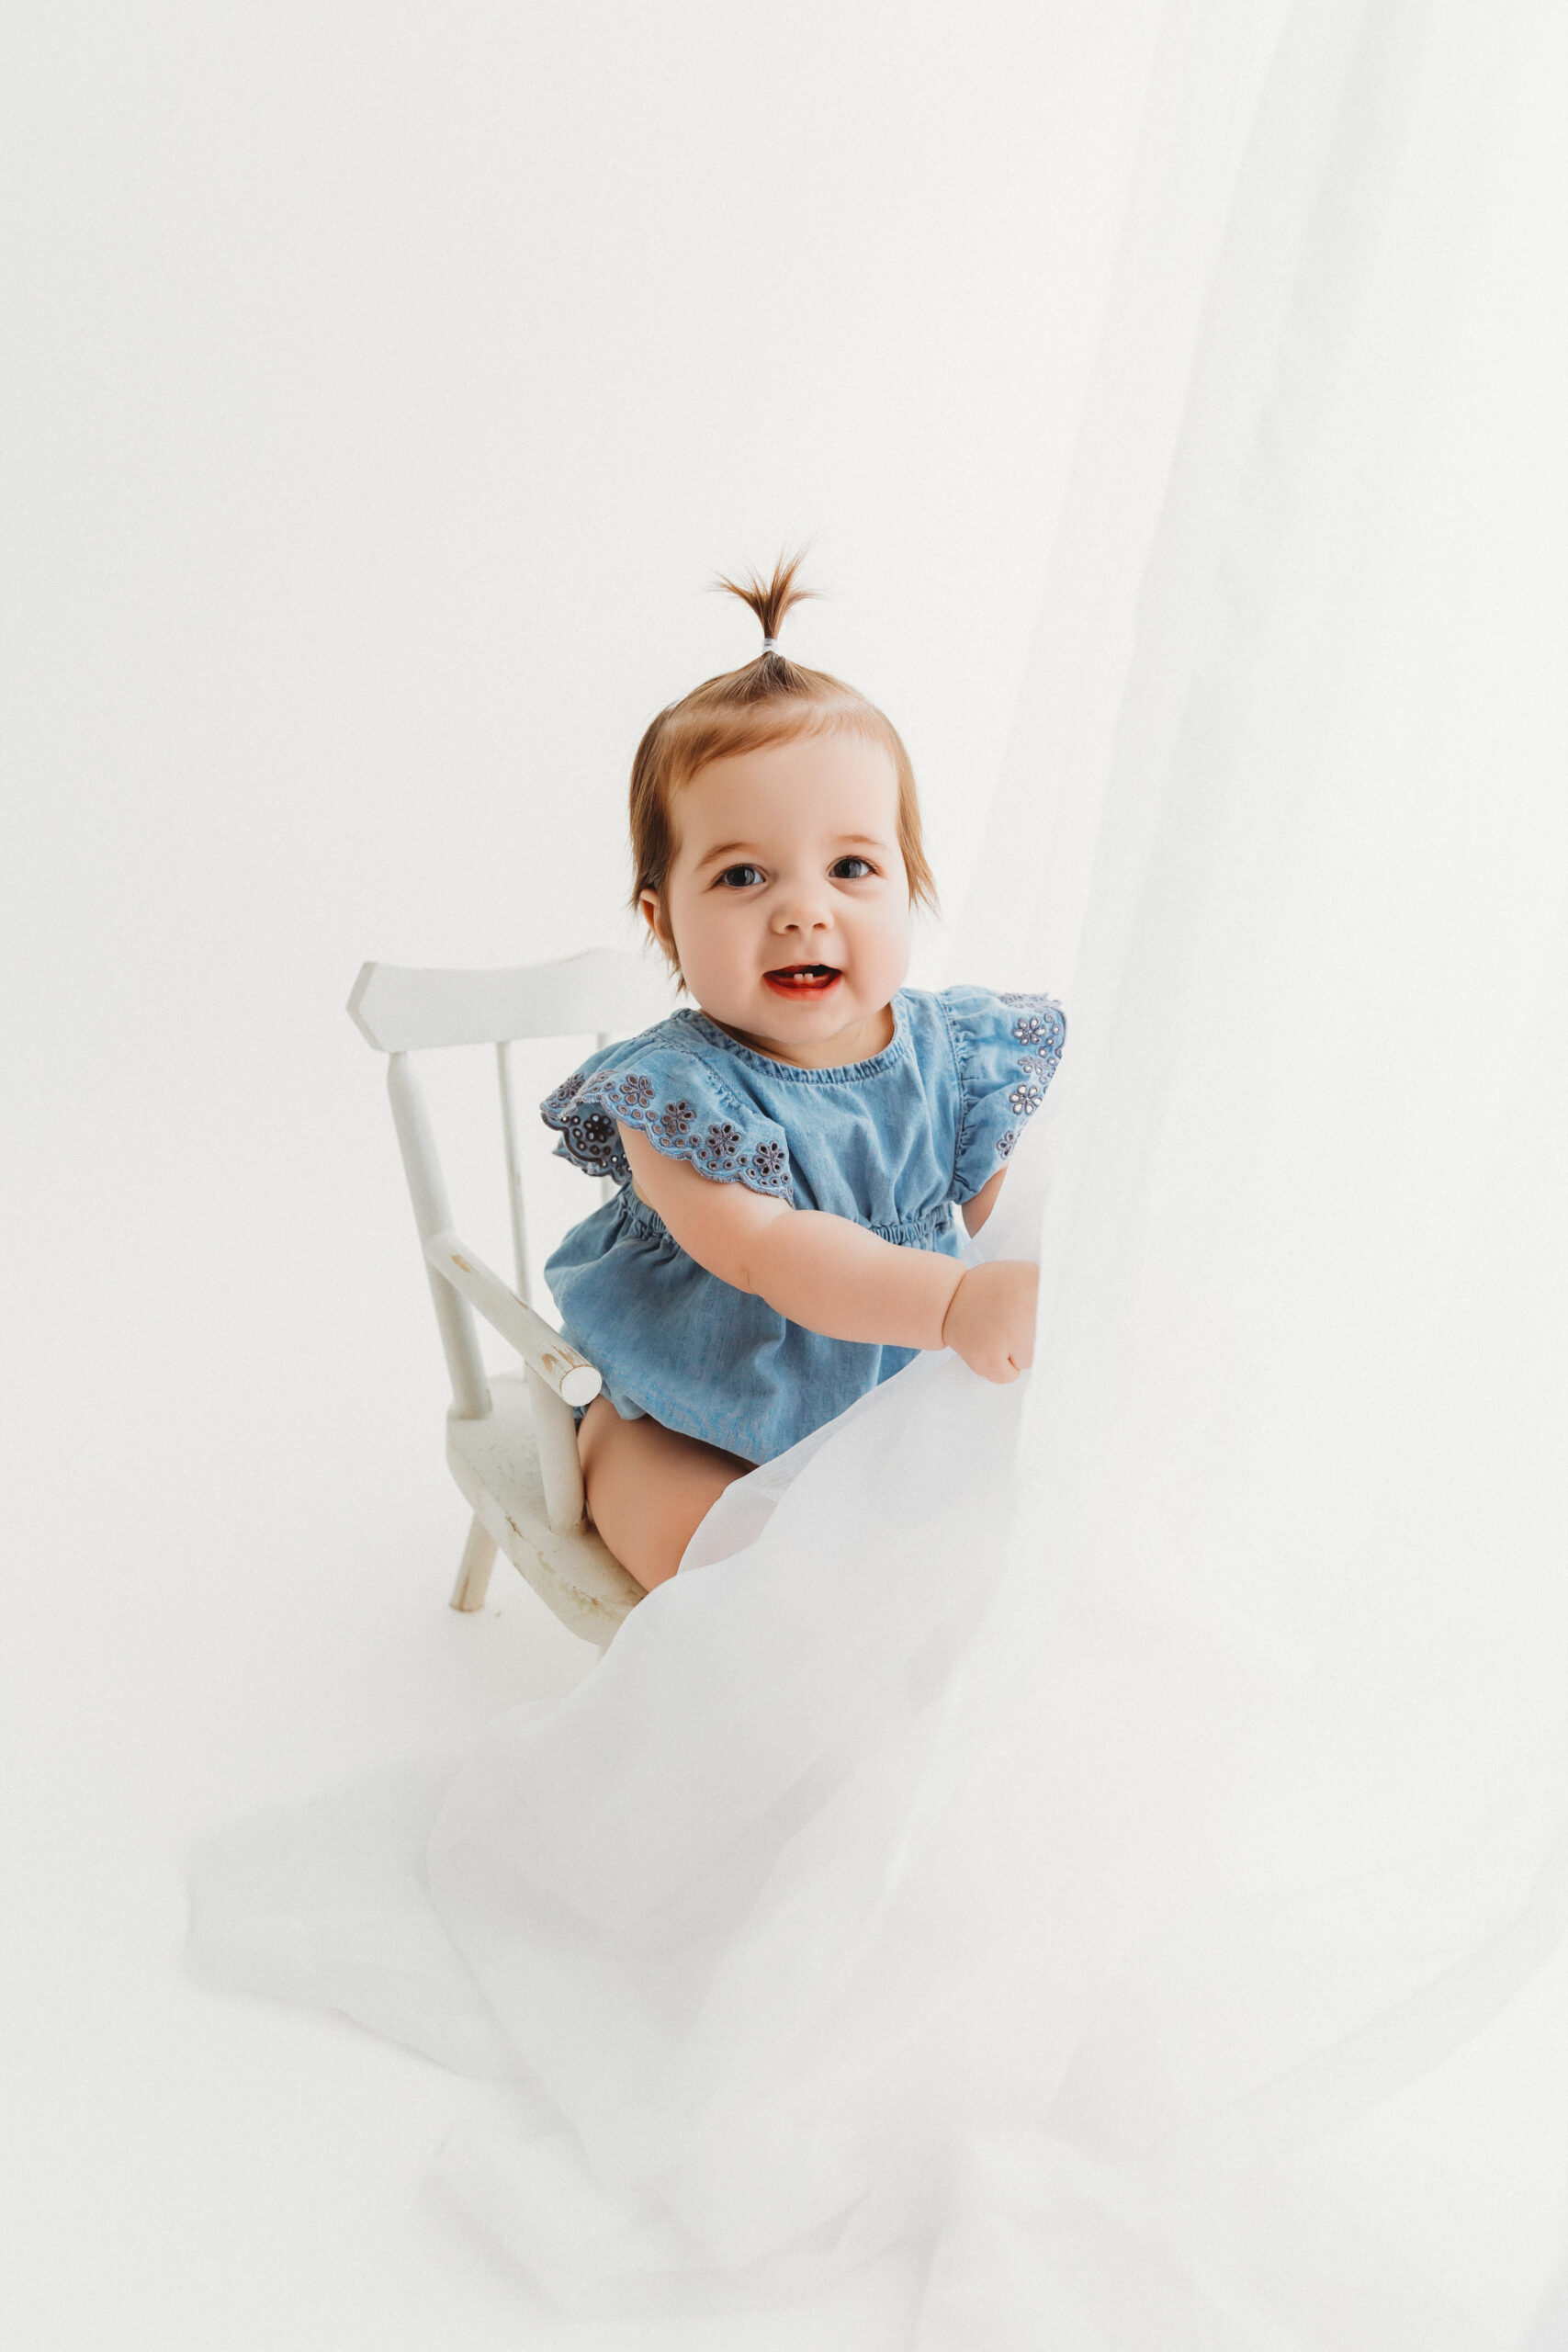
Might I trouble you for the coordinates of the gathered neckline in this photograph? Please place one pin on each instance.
(835, 1073)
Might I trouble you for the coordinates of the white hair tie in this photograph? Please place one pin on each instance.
(770, 645)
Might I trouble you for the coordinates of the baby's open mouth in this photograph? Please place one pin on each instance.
(803, 980)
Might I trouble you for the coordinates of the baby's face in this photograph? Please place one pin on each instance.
(787, 901)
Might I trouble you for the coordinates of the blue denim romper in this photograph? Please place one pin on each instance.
(894, 1143)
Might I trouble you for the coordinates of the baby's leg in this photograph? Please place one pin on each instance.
(649, 1487)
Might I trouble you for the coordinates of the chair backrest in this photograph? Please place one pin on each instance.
(401, 1011)
(603, 993)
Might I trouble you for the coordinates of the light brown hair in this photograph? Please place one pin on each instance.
(772, 700)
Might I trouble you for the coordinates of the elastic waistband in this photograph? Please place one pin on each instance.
(916, 1231)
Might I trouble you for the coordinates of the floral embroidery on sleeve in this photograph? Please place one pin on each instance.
(1042, 1031)
(1009, 1045)
(590, 1137)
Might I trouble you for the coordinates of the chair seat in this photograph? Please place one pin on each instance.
(496, 1463)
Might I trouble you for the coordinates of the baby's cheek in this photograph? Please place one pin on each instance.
(718, 963)
(886, 948)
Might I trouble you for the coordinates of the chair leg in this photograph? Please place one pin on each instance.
(473, 1575)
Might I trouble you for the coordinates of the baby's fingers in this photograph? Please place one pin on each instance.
(990, 1321)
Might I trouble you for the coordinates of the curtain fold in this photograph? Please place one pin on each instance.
(1115, 1839)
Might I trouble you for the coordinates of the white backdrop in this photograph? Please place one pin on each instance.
(385, 383)
(339, 334)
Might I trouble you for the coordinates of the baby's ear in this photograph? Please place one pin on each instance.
(650, 907)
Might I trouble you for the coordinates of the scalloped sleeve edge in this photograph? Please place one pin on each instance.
(586, 1114)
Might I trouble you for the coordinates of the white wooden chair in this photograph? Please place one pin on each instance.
(511, 1440)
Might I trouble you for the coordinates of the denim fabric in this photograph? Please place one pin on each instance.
(894, 1144)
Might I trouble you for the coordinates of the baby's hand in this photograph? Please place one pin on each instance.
(990, 1319)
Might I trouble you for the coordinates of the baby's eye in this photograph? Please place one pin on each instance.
(851, 869)
(738, 877)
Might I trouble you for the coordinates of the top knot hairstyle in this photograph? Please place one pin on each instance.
(770, 600)
(772, 700)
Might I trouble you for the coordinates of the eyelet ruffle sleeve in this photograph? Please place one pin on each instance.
(675, 1100)
(1008, 1050)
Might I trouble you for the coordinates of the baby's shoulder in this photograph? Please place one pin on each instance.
(680, 1048)
(987, 1029)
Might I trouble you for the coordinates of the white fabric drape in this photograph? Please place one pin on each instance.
(1111, 1830)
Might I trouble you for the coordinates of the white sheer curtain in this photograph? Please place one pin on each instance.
(1113, 1832)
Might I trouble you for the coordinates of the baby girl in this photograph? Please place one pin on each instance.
(790, 1151)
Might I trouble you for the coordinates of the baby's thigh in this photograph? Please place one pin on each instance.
(649, 1489)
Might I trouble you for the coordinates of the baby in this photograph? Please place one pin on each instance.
(789, 1156)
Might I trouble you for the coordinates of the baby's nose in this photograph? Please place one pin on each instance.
(802, 911)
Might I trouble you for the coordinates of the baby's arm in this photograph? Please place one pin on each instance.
(835, 1277)
(976, 1210)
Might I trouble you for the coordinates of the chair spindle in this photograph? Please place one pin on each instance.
(470, 1390)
